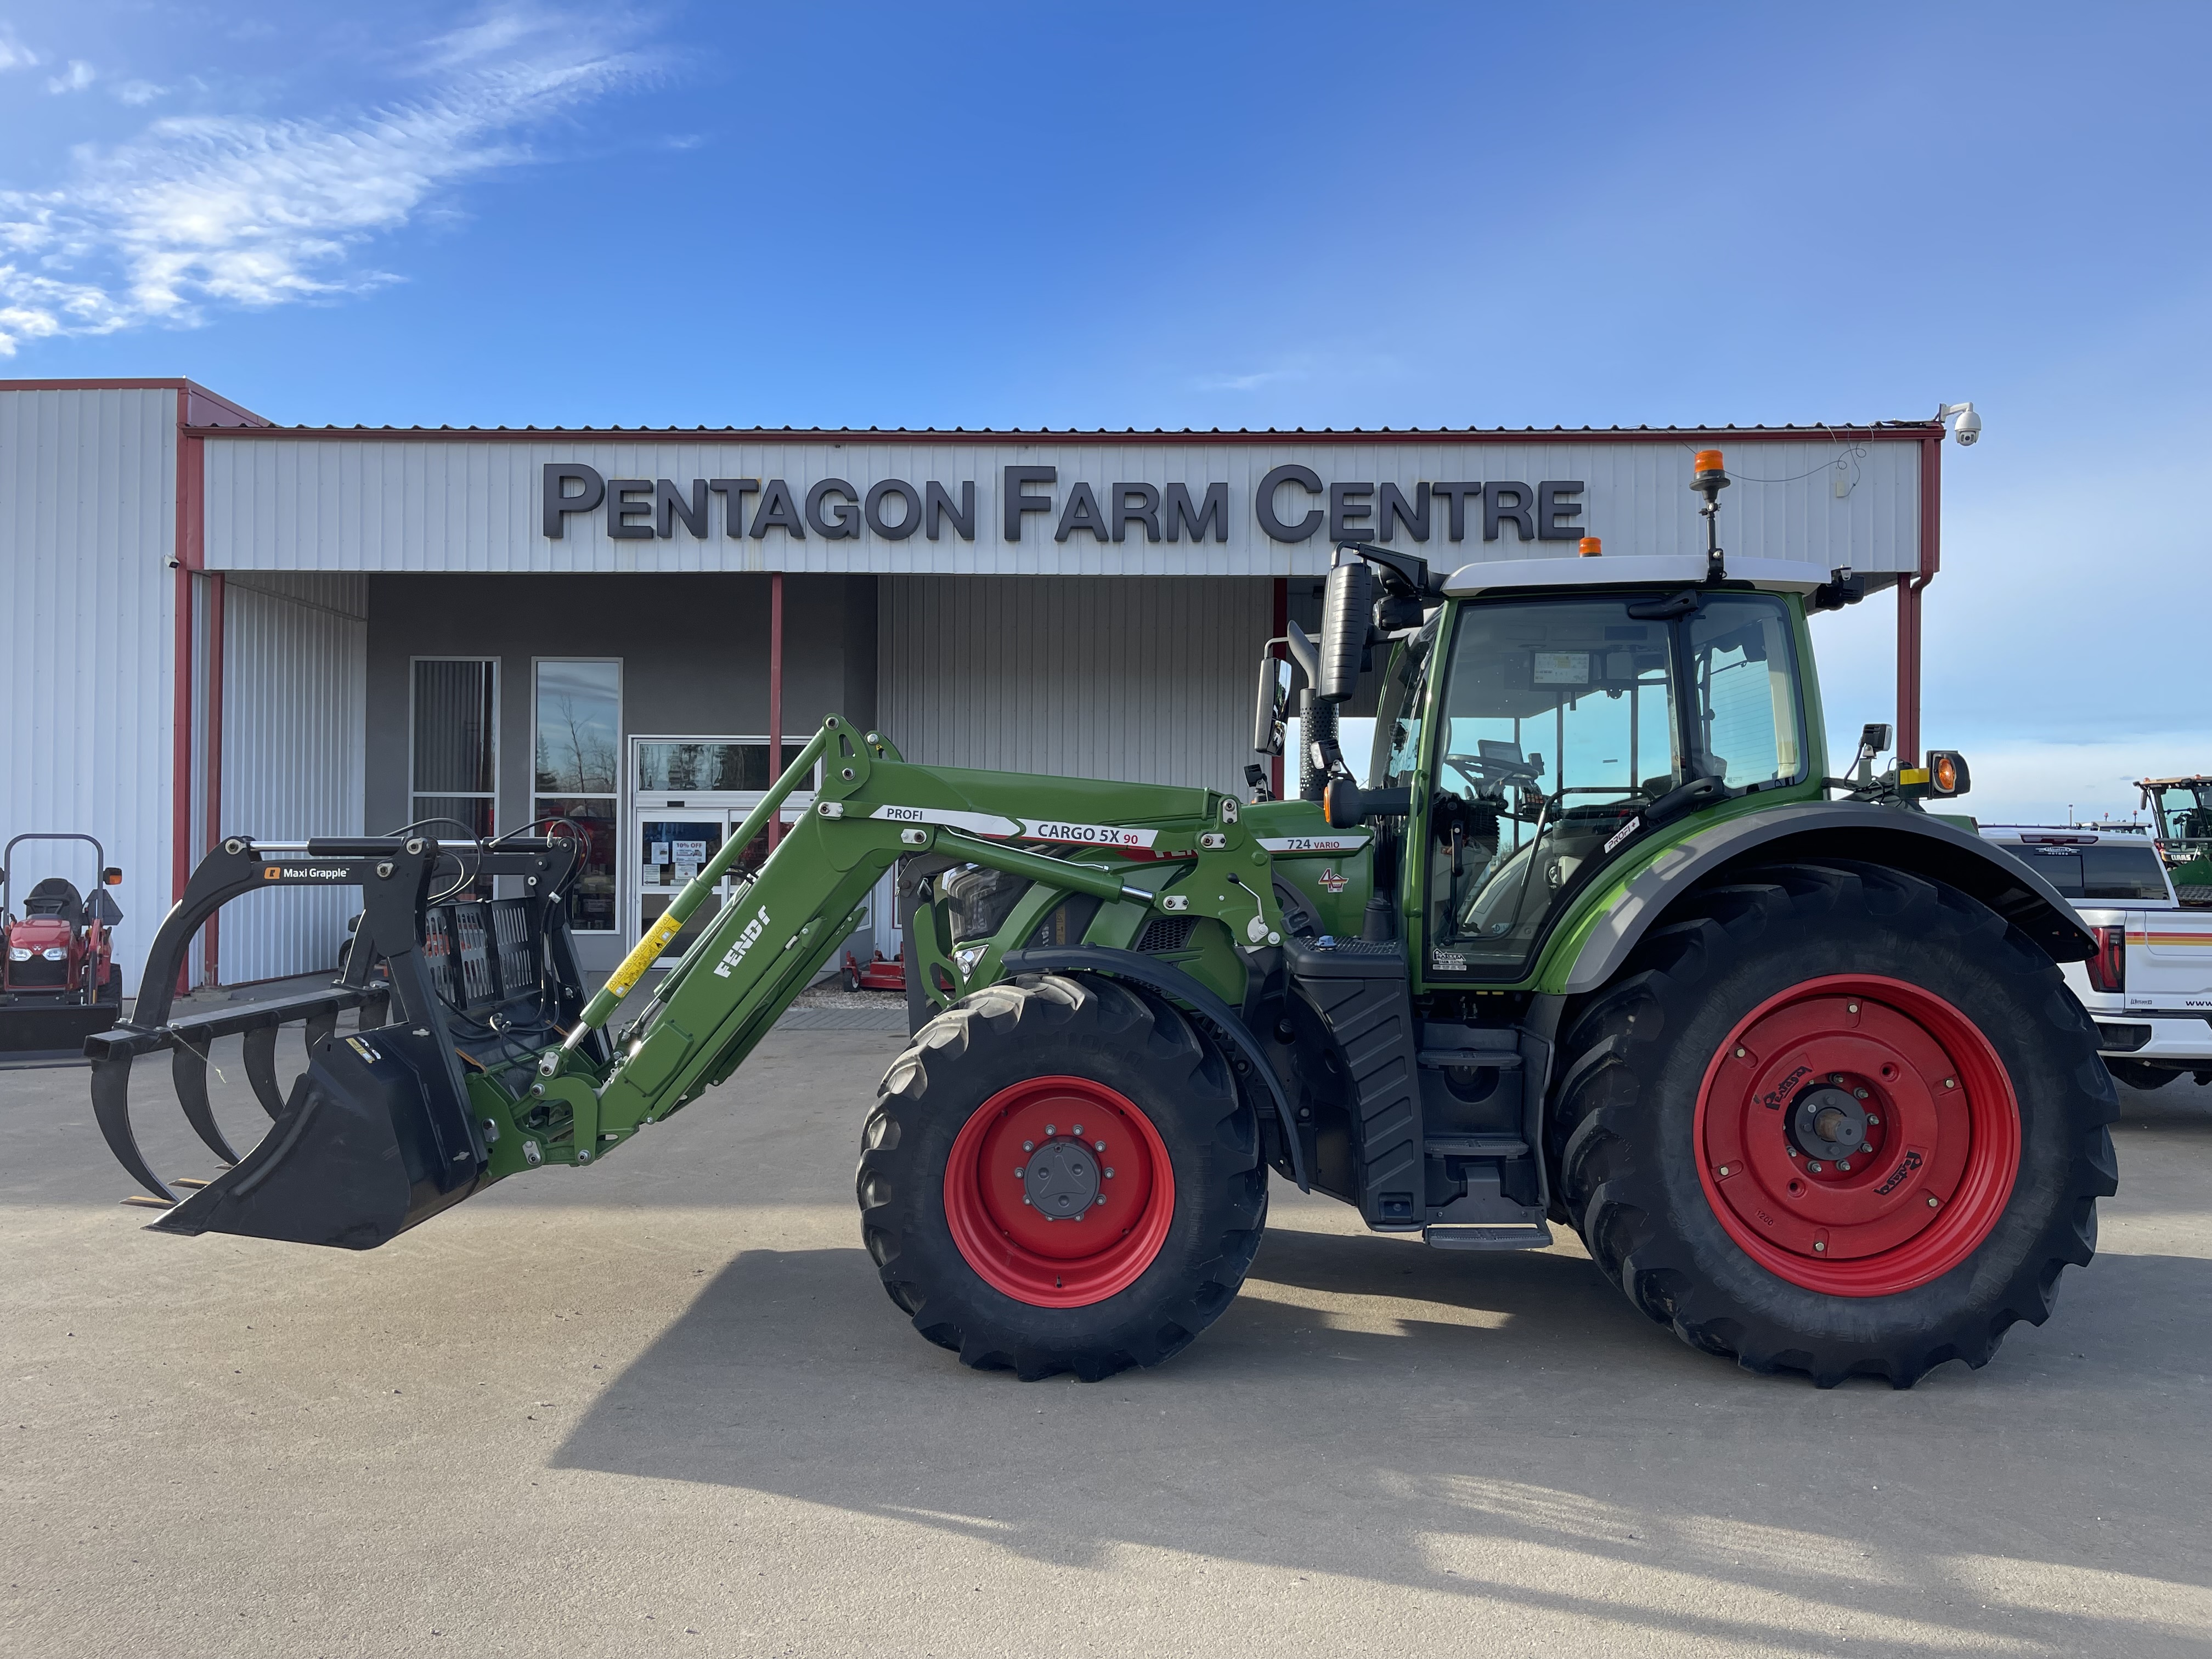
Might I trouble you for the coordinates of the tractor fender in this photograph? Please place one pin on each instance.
(1889, 835)
(1166, 980)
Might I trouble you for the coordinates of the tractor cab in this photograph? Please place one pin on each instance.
(2181, 809)
(1539, 732)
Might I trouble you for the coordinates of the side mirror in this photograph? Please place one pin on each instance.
(1347, 610)
(111, 877)
(1272, 711)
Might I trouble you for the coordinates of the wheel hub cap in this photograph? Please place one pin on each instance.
(1060, 1181)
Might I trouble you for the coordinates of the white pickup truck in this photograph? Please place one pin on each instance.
(2149, 986)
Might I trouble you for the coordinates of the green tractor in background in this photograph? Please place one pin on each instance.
(1591, 941)
(2181, 818)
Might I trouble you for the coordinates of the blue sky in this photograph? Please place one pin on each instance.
(1229, 214)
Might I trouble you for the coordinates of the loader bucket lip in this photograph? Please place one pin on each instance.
(112, 1052)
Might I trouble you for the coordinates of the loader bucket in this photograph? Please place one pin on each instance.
(378, 1133)
(358, 1155)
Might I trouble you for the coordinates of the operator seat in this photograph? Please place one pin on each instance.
(56, 896)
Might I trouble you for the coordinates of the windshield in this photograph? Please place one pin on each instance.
(2184, 809)
(1561, 721)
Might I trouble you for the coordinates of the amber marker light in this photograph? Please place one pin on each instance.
(1708, 460)
(1589, 547)
(1945, 771)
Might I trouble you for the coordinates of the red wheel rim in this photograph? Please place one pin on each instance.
(1016, 1249)
(1938, 1149)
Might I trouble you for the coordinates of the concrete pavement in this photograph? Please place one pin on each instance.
(662, 1406)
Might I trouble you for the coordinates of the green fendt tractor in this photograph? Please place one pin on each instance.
(1594, 941)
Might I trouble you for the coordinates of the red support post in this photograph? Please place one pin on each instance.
(180, 755)
(774, 695)
(1909, 591)
(211, 936)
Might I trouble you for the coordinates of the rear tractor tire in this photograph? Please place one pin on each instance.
(1837, 1119)
(1059, 1174)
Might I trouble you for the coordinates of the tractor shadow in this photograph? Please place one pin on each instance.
(1433, 1420)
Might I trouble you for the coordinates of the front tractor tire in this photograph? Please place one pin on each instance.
(1837, 1119)
(1059, 1174)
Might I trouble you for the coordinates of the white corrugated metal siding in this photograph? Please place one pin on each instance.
(1147, 681)
(88, 519)
(295, 699)
(412, 504)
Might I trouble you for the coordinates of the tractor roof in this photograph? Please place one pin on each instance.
(2160, 783)
(1630, 570)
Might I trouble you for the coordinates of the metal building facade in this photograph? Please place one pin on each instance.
(206, 591)
(88, 522)
(410, 501)
(294, 712)
(1093, 677)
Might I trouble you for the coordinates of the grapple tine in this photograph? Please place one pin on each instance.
(111, 1108)
(190, 1071)
(320, 1026)
(261, 1068)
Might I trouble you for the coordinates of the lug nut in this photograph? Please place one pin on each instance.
(1050, 1130)
(1077, 1131)
(1950, 1083)
(1821, 1244)
(1850, 1007)
(1844, 1163)
(1723, 1169)
(1814, 1166)
(1025, 1198)
(1109, 1172)
(1933, 1200)
(1029, 1146)
(1097, 1146)
(1860, 1094)
(1872, 1121)
(1019, 1172)
(1739, 1053)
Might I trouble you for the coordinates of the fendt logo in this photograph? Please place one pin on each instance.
(745, 942)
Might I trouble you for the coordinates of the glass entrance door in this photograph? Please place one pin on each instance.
(673, 843)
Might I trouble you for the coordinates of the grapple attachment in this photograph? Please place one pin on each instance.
(378, 1133)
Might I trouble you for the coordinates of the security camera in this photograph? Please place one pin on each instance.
(1968, 425)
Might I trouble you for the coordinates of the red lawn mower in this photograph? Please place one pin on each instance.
(59, 981)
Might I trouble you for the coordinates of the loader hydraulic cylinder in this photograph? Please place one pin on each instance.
(609, 996)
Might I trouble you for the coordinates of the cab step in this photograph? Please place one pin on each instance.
(1489, 1236)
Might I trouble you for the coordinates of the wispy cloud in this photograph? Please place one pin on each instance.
(214, 210)
(1247, 382)
(75, 78)
(136, 93)
(14, 54)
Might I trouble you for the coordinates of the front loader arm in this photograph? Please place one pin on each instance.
(873, 809)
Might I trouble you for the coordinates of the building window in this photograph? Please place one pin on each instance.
(576, 744)
(453, 760)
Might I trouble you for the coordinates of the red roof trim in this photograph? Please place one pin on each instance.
(1901, 432)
